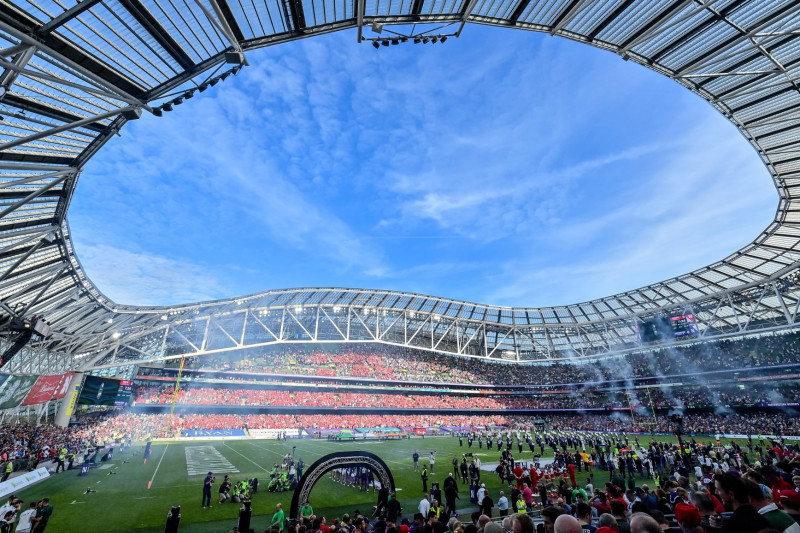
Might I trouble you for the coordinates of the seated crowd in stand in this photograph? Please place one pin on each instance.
(402, 364)
(196, 394)
(142, 426)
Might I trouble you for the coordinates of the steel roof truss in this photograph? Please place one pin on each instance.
(157, 31)
(35, 194)
(44, 289)
(66, 127)
(66, 16)
(333, 322)
(266, 328)
(13, 68)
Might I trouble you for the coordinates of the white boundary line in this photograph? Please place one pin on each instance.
(246, 458)
(158, 466)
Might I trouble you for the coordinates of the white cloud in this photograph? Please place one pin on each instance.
(138, 278)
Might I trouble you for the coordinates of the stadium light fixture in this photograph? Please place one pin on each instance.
(167, 106)
(435, 39)
(425, 40)
(417, 40)
(443, 39)
(376, 44)
(385, 42)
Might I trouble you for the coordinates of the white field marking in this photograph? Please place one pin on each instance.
(144, 498)
(252, 443)
(203, 459)
(159, 463)
(247, 459)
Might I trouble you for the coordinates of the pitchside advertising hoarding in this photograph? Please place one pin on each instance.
(15, 389)
(48, 388)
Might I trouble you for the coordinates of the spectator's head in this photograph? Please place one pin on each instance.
(791, 501)
(619, 509)
(567, 524)
(688, 517)
(644, 523)
(607, 520)
(549, 516)
(659, 517)
(583, 512)
(492, 527)
(523, 524)
(731, 490)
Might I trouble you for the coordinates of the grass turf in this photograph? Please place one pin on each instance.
(123, 502)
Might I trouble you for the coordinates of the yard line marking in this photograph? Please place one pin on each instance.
(206, 458)
(157, 467)
(265, 449)
(246, 458)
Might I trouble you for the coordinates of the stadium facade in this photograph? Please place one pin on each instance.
(73, 73)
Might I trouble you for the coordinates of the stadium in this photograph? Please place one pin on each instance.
(686, 386)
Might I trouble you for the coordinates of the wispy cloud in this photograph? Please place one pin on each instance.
(535, 171)
(140, 278)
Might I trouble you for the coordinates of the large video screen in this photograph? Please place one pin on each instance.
(105, 391)
(683, 325)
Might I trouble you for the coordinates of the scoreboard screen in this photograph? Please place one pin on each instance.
(683, 325)
(105, 391)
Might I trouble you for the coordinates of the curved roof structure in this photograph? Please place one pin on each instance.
(72, 73)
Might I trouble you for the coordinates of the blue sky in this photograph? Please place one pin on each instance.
(504, 167)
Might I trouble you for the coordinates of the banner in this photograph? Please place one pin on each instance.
(14, 390)
(18, 483)
(273, 433)
(73, 399)
(63, 388)
(213, 433)
(43, 390)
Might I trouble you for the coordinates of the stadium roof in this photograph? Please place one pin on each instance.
(73, 73)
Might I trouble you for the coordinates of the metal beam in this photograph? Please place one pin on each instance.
(67, 15)
(161, 36)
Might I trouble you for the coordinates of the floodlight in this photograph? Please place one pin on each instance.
(376, 44)
(425, 40)
(167, 106)
(158, 112)
(395, 41)
(443, 39)
(385, 42)
(435, 40)
(417, 40)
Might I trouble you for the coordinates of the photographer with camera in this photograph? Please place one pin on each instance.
(207, 482)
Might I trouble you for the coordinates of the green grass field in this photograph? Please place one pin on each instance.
(123, 503)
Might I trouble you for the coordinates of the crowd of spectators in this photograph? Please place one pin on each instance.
(691, 397)
(138, 426)
(390, 363)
